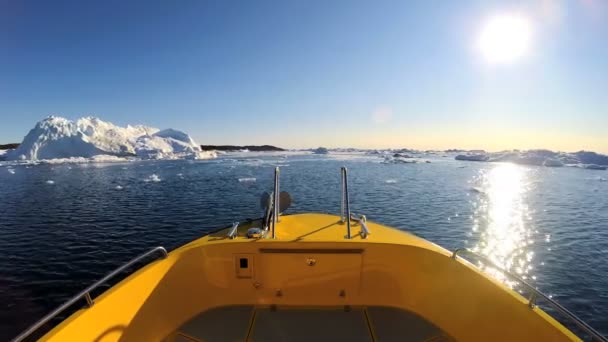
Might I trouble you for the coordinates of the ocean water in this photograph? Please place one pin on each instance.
(62, 227)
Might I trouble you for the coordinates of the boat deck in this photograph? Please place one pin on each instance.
(353, 324)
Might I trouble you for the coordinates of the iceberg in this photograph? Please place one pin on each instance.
(92, 139)
(549, 162)
(320, 150)
(473, 157)
(583, 159)
(402, 160)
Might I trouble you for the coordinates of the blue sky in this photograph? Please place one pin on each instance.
(308, 73)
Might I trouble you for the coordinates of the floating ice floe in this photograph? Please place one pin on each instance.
(472, 157)
(118, 187)
(89, 139)
(390, 181)
(403, 160)
(247, 180)
(582, 159)
(50, 182)
(152, 178)
(11, 171)
(477, 190)
(594, 167)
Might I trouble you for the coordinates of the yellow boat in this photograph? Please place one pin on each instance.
(310, 277)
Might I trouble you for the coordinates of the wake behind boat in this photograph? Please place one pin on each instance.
(311, 276)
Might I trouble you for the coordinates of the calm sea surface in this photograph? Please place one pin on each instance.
(64, 226)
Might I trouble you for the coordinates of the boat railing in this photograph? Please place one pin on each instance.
(534, 294)
(345, 215)
(86, 293)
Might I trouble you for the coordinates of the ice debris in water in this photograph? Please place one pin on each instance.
(247, 180)
(50, 182)
(391, 181)
(118, 187)
(152, 178)
(477, 190)
(11, 171)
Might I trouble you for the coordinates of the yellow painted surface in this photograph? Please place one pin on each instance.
(389, 268)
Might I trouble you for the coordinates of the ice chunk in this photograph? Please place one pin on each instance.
(118, 187)
(247, 180)
(152, 178)
(552, 163)
(594, 167)
(391, 181)
(50, 182)
(473, 157)
(477, 190)
(11, 171)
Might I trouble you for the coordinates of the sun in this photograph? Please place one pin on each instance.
(505, 38)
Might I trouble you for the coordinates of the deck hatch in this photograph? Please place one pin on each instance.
(310, 272)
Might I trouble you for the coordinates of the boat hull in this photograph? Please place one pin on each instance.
(311, 264)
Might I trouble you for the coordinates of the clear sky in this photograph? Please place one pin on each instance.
(427, 74)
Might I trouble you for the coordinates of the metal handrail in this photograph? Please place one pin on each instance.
(345, 212)
(86, 293)
(596, 336)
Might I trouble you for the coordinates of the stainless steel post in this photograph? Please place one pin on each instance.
(346, 200)
(275, 216)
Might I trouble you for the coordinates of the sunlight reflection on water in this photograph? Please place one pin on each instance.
(501, 221)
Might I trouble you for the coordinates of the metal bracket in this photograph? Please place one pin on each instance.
(233, 231)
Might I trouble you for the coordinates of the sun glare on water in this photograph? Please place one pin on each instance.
(505, 38)
(501, 221)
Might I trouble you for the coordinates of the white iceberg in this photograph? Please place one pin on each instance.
(583, 159)
(91, 139)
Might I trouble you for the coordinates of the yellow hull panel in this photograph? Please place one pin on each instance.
(310, 263)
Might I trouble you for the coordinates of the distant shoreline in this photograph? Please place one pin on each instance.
(8, 146)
